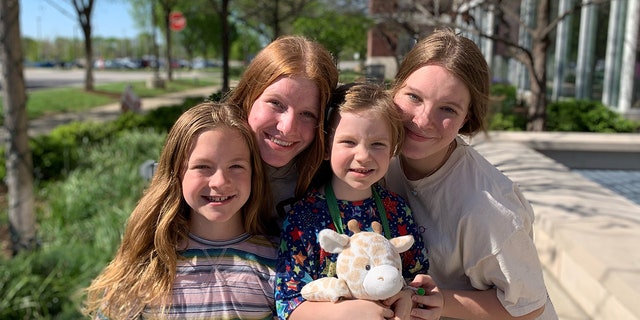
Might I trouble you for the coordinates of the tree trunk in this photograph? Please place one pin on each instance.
(83, 10)
(226, 45)
(167, 6)
(19, 166)
(536, 117)
(156, 48)
(88, 56)
(167, 36)
(537, 114)
(276, 19)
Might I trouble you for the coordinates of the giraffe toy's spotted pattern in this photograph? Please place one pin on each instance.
(368, 265)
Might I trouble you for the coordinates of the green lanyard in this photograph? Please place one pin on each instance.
(335, 212)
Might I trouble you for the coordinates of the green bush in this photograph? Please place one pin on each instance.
(57, 153)
(79, 228)
(508, 96)
(507, 122)
(504, 111)
(586, 116)
(506, 114)
(81, 217)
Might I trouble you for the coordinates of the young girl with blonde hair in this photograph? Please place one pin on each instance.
(197, 244)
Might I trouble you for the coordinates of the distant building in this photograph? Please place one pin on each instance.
(593, 55)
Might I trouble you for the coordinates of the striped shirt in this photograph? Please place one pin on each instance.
(231, 279)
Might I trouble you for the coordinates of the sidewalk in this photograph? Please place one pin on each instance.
(587, 235)
(112, 111)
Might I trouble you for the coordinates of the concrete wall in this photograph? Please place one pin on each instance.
(587, 236)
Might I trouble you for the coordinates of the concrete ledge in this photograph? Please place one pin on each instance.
(587, 236)
(571, 141)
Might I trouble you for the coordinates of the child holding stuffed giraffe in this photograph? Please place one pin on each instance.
(364, 132)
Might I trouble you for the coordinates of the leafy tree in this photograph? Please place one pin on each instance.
(31, 48)
(164, 9)
(245, 49)
(19, 165)
(222, 8)
(159, 11)
(201, 36)
(352, 33)
(271, 19)
(141, 11)
(65, 49)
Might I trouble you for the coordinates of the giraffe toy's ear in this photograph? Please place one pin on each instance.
(402, 244)
(332, 241)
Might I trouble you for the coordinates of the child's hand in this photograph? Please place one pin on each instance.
(428, 306)
(401, 304)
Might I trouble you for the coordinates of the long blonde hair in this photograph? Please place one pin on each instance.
(291, 56)
(144, 267)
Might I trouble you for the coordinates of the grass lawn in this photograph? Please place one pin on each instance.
(71, 99)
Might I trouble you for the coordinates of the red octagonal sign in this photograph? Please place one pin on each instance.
(177, 21)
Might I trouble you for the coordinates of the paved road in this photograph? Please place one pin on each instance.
(41, 78)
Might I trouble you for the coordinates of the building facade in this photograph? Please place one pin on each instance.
(593, 53)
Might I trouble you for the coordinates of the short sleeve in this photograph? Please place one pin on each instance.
(514, 269)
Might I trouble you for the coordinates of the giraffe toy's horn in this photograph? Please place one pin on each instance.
(353, 225)
(377, 227)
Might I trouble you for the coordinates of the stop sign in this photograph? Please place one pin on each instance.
(177, 21)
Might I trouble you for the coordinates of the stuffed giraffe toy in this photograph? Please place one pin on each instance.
(368, 265)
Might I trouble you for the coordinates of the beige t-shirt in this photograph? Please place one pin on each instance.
(477, 228)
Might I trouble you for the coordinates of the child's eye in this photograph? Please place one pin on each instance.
(449, 109)
(309, 115)
(347, 142)
(277, 105)
(413, 97)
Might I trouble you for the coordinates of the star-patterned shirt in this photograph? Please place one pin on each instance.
(302, 260)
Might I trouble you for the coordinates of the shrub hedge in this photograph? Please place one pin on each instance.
(506, 113)
(56, 154)
(80, 223)
(89, 181)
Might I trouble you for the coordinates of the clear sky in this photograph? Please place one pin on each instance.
(48, 19)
